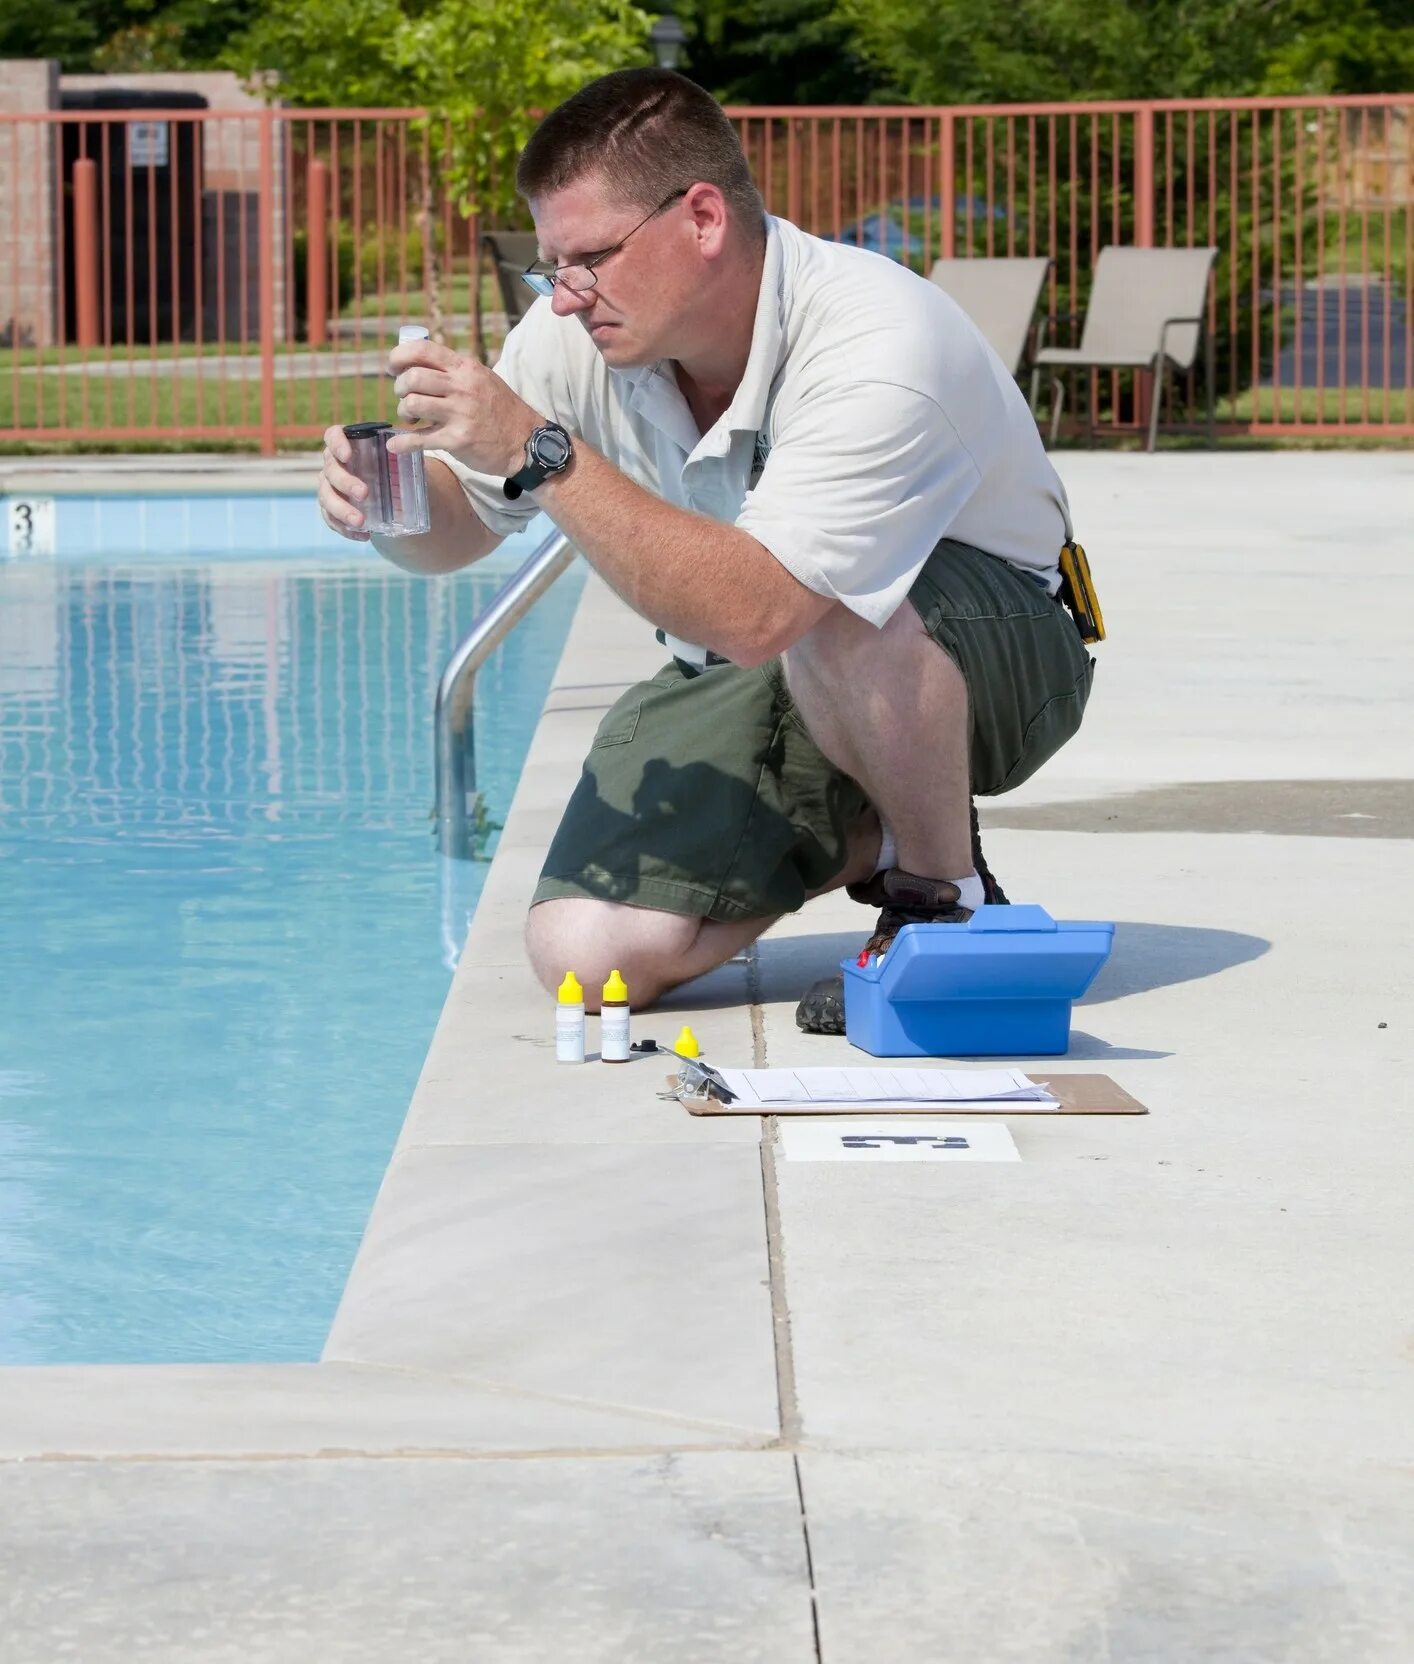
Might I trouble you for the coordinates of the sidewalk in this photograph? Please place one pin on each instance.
(613, 1384)
(143, 474)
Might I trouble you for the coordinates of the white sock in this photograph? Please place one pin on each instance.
(970, 892)
(888, 852)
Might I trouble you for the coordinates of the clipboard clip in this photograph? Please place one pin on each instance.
(699, 1080)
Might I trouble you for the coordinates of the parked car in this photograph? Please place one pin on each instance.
(883, 233)
(1345, 321)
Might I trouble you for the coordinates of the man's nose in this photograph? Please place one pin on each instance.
(566, 301)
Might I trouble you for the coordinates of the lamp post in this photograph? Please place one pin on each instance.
(667, 36)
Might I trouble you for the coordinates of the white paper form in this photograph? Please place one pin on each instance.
(884, 1088)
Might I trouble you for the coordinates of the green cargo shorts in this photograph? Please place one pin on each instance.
(704, 794)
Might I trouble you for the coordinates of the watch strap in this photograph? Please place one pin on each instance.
(534, 473)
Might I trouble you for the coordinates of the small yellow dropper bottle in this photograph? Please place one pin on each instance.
(569, 1021)
(613, 1020)
(686, 1043)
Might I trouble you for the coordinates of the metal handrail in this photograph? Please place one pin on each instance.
(457, 797)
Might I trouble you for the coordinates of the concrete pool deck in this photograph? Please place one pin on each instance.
(612, 1383)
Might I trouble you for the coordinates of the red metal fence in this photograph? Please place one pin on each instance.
(236, 277)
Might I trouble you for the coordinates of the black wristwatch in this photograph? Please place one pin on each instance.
(547, 451)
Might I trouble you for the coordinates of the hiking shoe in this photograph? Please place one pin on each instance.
(821, 1008)
(910, 899)
(903, 899)
(906, 899)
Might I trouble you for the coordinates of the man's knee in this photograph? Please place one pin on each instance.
(593, 938)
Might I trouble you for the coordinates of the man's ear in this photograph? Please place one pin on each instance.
(708, 208)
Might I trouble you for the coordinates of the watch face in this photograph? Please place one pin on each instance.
(550, 447)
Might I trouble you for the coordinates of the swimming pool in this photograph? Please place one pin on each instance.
(225, 935)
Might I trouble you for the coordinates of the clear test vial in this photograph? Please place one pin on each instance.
(396, 505)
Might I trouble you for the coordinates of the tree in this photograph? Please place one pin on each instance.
(123, 35)
(70, 33)
(489, 67)
(484, 69)
(974, 51)
(776, 52)
(1362, 46)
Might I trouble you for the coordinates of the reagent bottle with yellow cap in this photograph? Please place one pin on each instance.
(613, 1020)
(569, 1021)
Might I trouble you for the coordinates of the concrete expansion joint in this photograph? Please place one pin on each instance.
(749, 1438)
(809, 1560)
(780, 1309)
(412, 1453)
(775, 1251)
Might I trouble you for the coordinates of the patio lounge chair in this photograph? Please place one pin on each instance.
(999, 296)
(511, 252)
(1145, 313)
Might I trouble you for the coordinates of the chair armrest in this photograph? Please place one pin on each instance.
(1054, 318)
(1173, 323)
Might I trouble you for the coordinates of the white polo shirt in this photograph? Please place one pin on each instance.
(872, 420)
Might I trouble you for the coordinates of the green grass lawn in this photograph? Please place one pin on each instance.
(215, 405)
(166, 352)
(218, 405)
(412, 303)
(1330, 405)
(145, 394)
(141, 351)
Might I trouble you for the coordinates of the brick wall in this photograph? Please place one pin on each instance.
(27, 204)
(31, 280)
(231, 195)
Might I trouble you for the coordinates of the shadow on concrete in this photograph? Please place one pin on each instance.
(1284, 808)
(1145, 956)
(662, 829)
(1092, 1048)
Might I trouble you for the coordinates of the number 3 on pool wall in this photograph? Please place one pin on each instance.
(31, 525)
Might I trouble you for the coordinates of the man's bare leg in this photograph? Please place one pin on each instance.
(889, 707)
(654, 951)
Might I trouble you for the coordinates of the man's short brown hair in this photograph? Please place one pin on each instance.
(650, 132)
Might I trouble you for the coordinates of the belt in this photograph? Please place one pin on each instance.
(687, 667)
(690, 670)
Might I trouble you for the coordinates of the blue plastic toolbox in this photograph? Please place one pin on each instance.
(1000, 985)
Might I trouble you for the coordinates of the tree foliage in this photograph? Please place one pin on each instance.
(123, 35)
(485, 68)
(974, 51)
(518, 56)
(777, 52)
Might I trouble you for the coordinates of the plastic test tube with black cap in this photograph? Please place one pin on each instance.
(396, 505)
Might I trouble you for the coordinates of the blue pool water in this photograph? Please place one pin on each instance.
(225, 935)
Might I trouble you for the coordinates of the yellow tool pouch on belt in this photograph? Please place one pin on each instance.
(1077, 591)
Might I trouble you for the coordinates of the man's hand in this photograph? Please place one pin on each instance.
(463, 408)
(341, 492)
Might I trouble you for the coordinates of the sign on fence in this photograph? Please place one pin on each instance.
(147, 144)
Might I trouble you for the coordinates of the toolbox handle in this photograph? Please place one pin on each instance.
(1015, 920)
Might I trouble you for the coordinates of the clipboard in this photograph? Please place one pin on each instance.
(1076, 1095)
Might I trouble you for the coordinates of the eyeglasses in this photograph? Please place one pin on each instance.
(584, 273)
